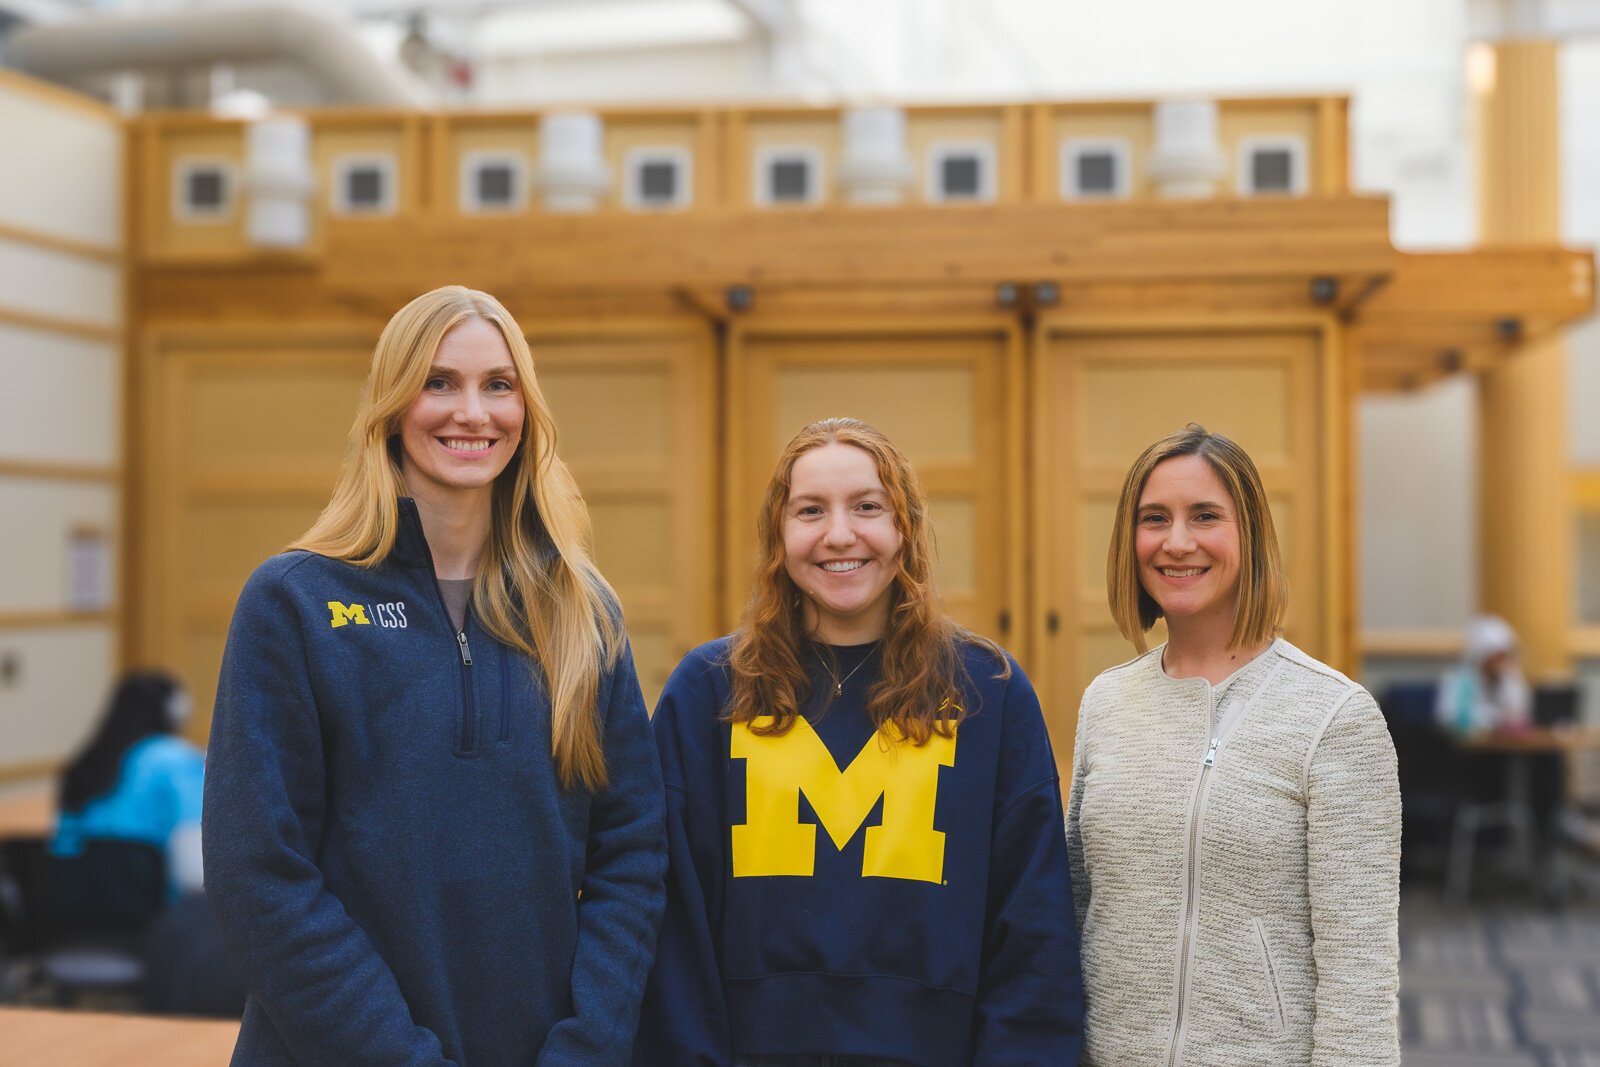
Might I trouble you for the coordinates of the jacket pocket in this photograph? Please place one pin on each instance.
(1270, 971)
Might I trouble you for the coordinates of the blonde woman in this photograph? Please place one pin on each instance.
(433, 818)
(865, 820)
(1234, 817)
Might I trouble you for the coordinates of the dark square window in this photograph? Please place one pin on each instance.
(658, 182)
(363, 187)
(496, 184)
(1097, 172)
(960, 176)
(789, 180)
(1272, 170)
(205, 189)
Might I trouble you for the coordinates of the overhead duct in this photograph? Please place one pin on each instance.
(326, 49)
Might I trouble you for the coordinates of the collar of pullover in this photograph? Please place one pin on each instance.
(410, 545)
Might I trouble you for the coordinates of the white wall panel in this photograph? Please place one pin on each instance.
(36, 520)
(60, 682)
(61, 398)
(63, 168)
(1419, 517)
(43, 281)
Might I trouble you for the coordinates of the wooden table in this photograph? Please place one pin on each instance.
(42, 1038)
(1544, 858)
(30, 814)
(1535, 739)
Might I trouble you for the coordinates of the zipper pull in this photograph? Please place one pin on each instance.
(466, 657)
(1211, 754)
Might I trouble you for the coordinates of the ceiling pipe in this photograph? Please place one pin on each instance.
(325, 48)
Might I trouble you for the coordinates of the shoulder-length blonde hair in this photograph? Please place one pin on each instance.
(537, 588)
(1263, 593)
(920, 687)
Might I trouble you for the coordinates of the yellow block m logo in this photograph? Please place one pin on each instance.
(345, 614)
(778, 769)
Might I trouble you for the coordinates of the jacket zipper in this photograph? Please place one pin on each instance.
(1185, 946)
(469, 707)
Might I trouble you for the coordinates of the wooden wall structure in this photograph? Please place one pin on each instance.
(61, 476)
(1022, 348)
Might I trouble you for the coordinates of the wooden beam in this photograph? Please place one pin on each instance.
(1220, 239)
(1446, 313)
(1529, 281)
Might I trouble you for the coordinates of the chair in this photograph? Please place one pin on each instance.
(1427, 764)
(76, 923)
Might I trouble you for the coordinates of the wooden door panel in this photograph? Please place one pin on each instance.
(635, 410)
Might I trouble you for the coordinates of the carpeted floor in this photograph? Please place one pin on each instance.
(1500, 984)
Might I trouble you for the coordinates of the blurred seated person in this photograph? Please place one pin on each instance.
(1487, 691)
(136, 780)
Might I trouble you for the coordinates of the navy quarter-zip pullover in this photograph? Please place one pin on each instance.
(395, 866)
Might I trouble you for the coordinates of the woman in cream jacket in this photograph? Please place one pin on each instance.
(1234, 819)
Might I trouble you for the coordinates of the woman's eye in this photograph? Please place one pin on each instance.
(500, 385)
(809, 511)
(1207, 516)
(434, 385)
(1152, 519)
(869, 506)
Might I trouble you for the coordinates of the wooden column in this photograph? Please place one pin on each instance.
(1525, 557)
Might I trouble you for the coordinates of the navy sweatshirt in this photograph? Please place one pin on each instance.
(397, 871)
(832, 891)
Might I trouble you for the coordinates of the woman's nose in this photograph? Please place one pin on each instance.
(469, 412)
(839, 531)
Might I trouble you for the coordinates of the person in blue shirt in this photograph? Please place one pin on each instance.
(433, 820)
(136, 780)
(867, 858)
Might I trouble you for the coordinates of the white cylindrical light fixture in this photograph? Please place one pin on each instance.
(279, 181)
(1186, 161)
(572, 174)
(875, 167)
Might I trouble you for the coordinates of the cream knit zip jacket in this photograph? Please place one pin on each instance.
(1236, 868)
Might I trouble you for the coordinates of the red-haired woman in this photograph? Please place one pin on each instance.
(930, 921)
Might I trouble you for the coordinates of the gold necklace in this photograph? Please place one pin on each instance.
(838, 683)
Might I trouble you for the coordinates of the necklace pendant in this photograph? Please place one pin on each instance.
(838, 689)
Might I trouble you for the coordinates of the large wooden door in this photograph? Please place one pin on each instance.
(938, 392)
(635, 409)
(242, 433)
(1100, 397)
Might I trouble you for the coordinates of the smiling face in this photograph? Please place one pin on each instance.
(841, 545)
(1186, 542)
(464, 427)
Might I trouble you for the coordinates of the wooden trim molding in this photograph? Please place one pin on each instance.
(63, 472)
(54, 620)
(28, 770)
(93, 331)
(1584, 642)
(54, 242)
(1411, 642)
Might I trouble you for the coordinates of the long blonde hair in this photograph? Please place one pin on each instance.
(920, 687)
(537, 588)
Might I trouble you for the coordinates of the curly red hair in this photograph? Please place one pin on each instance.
(919, 689)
